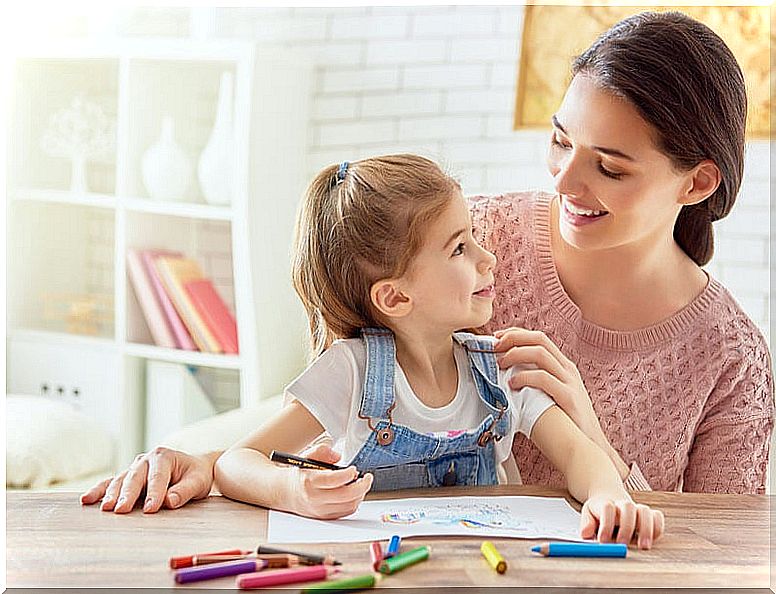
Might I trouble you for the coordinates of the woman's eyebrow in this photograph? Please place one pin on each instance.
(601, 149)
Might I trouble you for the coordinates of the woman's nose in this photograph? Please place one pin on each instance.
(567, 176)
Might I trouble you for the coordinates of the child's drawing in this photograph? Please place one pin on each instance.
(476, 515)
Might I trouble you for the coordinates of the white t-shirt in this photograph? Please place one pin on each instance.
(331, 387)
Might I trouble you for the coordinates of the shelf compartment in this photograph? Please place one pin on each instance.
(42, 88)
(207, 241)
(60, 269)
(185, 90)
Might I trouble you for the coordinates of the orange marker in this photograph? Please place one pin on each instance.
(376, 551)
(188, 560)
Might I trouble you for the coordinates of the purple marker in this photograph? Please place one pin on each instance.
(217, 570)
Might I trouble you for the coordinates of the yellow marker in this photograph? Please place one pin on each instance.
(494, 558)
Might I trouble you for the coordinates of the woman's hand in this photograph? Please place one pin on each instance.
(327, 494)
(602, 515)
(539, 363)
(169, 477)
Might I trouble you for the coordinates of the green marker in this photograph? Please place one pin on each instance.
(347, 584)
(403, 560)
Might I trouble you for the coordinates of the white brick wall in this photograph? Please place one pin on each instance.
(440, 81)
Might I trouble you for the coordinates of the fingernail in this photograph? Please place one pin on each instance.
(175, 500)
(148, 503)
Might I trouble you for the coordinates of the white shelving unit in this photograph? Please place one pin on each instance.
(65, 247)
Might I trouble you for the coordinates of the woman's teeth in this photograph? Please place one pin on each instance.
(583, 212)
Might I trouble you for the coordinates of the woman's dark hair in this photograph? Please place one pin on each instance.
(686, 83)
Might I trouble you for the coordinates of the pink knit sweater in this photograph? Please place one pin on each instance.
(688, 401)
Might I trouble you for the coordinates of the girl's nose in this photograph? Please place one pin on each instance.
(487, 263)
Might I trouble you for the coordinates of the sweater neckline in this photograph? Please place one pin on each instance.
(598, 335)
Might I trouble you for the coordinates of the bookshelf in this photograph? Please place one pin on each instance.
(73, 319)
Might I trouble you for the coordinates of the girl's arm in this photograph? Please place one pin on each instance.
(592, 478)
(542, 365)
(244, 472)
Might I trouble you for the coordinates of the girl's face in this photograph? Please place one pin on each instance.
(616, 188)
(450, 281)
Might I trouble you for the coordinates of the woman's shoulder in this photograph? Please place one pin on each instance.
(504, 217)
(509, 202)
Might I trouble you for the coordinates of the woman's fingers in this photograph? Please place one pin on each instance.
(519, 337)
(532, 355)
(112, 492)
(541, 380)
(157, 479)
(96, 492)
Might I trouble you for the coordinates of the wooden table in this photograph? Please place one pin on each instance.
(52, 541)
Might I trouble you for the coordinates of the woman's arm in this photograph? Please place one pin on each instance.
(244, 472)
(593, 479)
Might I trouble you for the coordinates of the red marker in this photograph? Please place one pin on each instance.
(376, 551)
(310, 573)
(188, 560)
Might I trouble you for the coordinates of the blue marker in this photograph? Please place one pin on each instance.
(581, 549)
(393, 547)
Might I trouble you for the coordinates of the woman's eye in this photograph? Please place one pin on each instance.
(610, 174)
(459, 249)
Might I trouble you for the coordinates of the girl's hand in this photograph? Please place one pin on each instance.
(327, 494)
(601, 515)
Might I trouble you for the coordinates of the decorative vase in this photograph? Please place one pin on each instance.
(78, 175)
(165, 167)
(215, 162)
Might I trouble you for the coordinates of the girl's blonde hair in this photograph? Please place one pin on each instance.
(354, 232)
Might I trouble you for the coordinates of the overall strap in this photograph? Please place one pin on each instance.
(482, 360)
(377, 396)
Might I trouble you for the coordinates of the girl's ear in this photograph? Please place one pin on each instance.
(703, 182)
(389, 299)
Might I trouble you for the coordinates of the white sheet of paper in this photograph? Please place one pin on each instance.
(505, 516)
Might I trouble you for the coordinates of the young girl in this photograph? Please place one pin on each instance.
(389, 273)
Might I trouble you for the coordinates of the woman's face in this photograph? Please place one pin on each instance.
(616, 188)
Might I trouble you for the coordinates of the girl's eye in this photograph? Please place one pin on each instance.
(459, 249)
(610, 174)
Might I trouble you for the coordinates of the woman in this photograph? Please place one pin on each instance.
(651, 357)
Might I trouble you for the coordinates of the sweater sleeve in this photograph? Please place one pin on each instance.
(731, 445)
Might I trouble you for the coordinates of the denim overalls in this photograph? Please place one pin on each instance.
(400, 458)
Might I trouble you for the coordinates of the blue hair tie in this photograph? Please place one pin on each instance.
(342, 171)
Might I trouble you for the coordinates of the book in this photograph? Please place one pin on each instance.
(174, 272)
(214, 312)
(182, 336)
(155, 318)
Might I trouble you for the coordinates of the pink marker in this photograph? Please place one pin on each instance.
(311, 573)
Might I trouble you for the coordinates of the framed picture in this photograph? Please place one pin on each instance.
(554, 35)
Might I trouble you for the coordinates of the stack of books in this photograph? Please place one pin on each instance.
(180, 304)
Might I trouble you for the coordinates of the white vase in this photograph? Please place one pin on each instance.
(215, 162)
(165, 167)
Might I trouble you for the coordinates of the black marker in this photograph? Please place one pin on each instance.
(307, 463)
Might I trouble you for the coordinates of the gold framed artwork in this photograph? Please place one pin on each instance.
(554, 35)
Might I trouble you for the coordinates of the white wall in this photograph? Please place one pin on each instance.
(440, 81)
